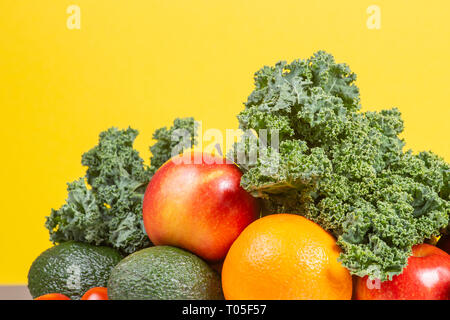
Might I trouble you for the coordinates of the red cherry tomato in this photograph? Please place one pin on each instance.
(97, 293)
(53, 296)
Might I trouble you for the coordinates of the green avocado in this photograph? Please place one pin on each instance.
(71, 268)
(164, 273)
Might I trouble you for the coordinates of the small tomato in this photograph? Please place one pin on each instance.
(53, 296)
(96, 293)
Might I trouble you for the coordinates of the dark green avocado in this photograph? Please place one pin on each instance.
(71, 268)
(164, 273)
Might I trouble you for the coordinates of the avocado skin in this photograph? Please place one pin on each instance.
(58, 269)
(164, 273)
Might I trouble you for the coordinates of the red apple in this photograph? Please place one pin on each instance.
(195, 201)
(426, 277)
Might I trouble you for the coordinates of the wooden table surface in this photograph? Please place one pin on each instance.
(14, 292)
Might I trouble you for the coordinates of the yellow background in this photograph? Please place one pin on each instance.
(142, 63)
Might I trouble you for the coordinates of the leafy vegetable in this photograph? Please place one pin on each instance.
(105, 206)
(182, 135)
(342, 168)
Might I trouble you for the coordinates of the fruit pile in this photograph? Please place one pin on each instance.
(201, 222)
(347, 215)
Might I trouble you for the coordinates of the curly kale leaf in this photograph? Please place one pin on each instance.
(79, 218)
(340, 167)
(105, 206)
(182, 135)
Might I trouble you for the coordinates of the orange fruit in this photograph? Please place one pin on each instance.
(285, 256)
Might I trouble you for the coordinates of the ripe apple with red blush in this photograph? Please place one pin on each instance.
(426, 277)
(195, 202)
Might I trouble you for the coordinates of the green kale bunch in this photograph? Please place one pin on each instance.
(105, 206)
(340, 167)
